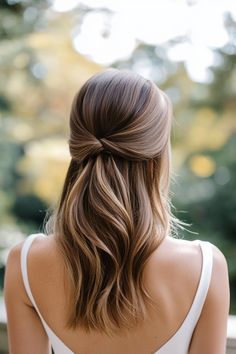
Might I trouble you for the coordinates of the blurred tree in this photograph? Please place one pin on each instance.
(29, 208)
(34, 102)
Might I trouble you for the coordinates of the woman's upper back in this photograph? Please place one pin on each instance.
(175, 277)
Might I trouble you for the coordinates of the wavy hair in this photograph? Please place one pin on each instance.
(114, 209)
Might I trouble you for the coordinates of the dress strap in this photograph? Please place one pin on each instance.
(181, 339)
(203, 285)
(56, 343)
(24, 252)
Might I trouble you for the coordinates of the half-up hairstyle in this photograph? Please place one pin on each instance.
(114, 209)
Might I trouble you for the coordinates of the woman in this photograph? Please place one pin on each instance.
(107, 276)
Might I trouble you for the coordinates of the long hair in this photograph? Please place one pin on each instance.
(114, 209)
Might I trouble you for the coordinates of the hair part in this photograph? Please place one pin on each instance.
(114, 209)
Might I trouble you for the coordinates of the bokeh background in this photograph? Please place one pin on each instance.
(49, 48)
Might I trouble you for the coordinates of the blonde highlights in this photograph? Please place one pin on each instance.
(114, 209)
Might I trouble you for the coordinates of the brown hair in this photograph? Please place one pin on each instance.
(114, 209)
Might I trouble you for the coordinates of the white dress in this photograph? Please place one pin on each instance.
(178, 343)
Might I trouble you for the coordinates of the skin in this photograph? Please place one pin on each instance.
(174, 259)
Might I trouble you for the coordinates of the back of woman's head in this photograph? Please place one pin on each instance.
(114, 209)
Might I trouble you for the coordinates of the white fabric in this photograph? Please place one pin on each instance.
(178, 343)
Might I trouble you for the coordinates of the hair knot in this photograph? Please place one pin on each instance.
(105, 148)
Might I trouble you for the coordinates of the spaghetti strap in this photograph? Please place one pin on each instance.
(24, 252)
(56, 343)
(181, 339)
(204, 283)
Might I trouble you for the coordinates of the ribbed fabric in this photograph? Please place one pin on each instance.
(178, 343)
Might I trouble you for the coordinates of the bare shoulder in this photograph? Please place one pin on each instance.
(187, 253)
(41, 247)
(14, 253)
(219, 286)
(182, 250)
(211, 330)
(43, 253)
(40, 257)
(186, 247)
(183, 258)
(25, 330)
(12, 269)
(219, 260)
(43, 244)
(13, 283)
(179, 252)
(175, 259)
